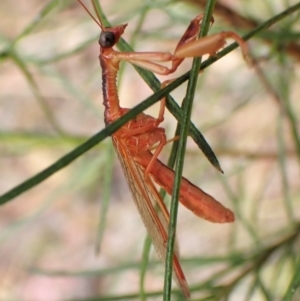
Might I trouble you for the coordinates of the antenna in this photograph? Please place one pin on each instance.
(87, 10)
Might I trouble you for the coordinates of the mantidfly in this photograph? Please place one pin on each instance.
(135, 140)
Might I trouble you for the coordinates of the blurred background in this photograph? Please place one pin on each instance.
(51, 102)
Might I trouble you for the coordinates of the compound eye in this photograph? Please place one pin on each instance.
(107, 39)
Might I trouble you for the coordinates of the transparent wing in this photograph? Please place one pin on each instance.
(146, 197)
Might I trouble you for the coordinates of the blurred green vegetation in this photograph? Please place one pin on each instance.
(50, 103)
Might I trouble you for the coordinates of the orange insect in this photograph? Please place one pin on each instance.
(134, 141)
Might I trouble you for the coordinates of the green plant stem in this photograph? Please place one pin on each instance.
(294, 285)
(176, 111)
(188, 104)
(78, 151)
(173, 107)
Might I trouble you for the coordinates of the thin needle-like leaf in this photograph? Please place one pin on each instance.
(181, 151)
(67, 159)
(294, 285)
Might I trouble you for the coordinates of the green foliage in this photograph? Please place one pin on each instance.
(51, 118)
